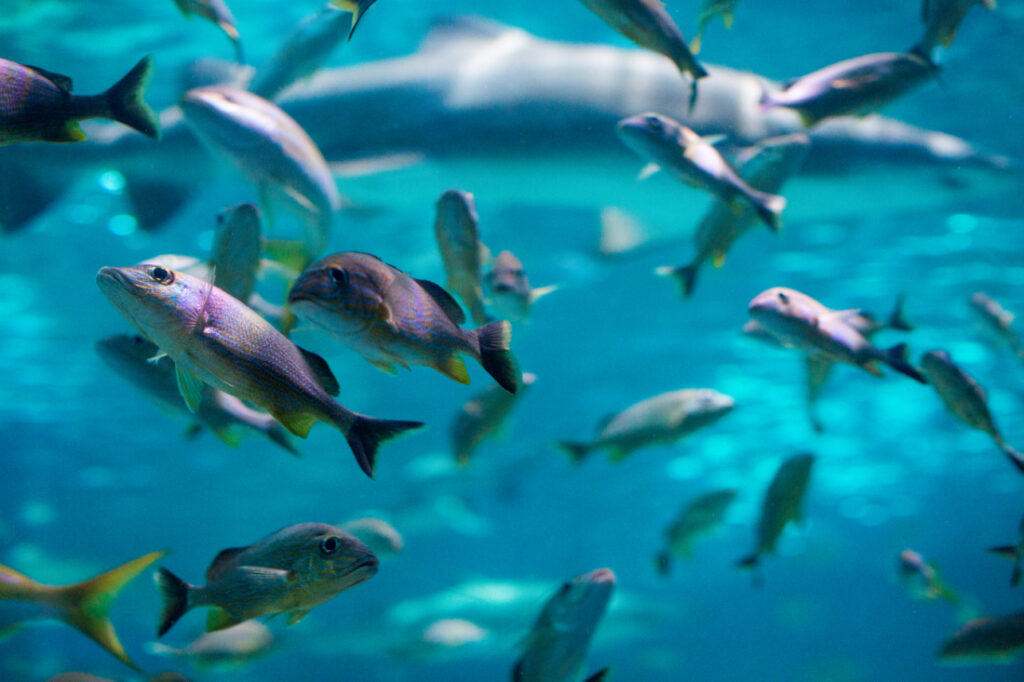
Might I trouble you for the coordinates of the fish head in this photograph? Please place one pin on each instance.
(456, 207)
(581, 601)
(785, 313)
(343, 293)
(229, 119)
(329, 558)
(713, 405)
(652, 136)
(509, 286)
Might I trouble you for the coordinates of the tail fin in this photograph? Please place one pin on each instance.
(685, 276)
(769, 209)
(366, 434)
(86, 603)
(126, 103)
(174, 591)
(897, 320)
(896, 357)
(495, 356)
(576, 451)
(1016, 458)
(602, 675)
(355, 9)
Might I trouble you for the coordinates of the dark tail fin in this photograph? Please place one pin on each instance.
(684, 275)
(126, 103)
(175, 595)
(897, 320)
(896, 357)
(86, 603)
(576, 451)
(366, 434)
(495, 356)
(602, 675)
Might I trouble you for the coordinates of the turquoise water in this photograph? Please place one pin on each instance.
(95, 475)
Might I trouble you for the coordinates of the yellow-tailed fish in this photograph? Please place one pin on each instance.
(394, 320)
(555, 650)
(289, 571)
(482, 416)
(997, 320)
(708, 11)
(765, 167)
(357, 8)
(213, 338)
(377, 534)
(667, 145)
(697, 518)
(963, 396)
(37, 105)
(82, 605)
(998, 638)
(664, 418)
(647, 24)
(508, 288)
(922, 579)
(234, 646)
(132, 357)
(796, 320)
(1015, 553)
(215, 11)
(855, 87)
(942, 19)
(783, 502)
(236, 250)
(457, 230)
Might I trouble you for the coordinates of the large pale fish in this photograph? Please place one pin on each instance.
(697, 518)
(289, 571)
(508, 288)
(216, 339)
(394, 320)
(994, 638)
(1015, 553)
(942, 19)
(217, 12)
(483, 416)
(457, 230)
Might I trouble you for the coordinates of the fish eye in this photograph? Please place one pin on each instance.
(339, 276)
(783, 297)
(329, 545)
(653, 122)
(161, 275)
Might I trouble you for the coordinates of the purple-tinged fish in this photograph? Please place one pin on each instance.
(457, 229)
(783, 503)
(1015, 553)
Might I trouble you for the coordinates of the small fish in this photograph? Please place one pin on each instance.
(698, 518)
(357, 8)
(235, 645)
(647, 24)
(922, 579)
(855, 87)
(765, 167)
(667, 145)
(289, 571)
(218, 13)
(270, 149)
(997, 319)
(82, 605)
(216, 339)
(394, 320)
(555, 650)
(965, 398)
(994, 637)
(305, 50)
(942, 18)
(796, 320)
(711, 9)
(457, 229)
(1014, 553)
(482, 416)
(236, 250)
(664, 418)
(131, 356)
(37, 105)
(379, 535)
(783, 502)
(509, 288)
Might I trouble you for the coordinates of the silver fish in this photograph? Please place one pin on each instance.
(235, 645)
(457, 230)
(697, 518)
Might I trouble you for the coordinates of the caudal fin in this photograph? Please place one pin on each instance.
(896, 357)
(125, 100)
(366, 434)
(495, 355)
(769, 209)
(86, 604)
(897, 319)
(174, 591)
(576, 451)
(684, 275)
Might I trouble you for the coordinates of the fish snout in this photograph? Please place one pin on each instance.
(601, 576)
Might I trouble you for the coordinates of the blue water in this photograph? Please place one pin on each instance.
(94, 475)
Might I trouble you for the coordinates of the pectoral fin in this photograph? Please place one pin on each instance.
(298, 423)
(295, 615)
(190, 387)
(219, 619)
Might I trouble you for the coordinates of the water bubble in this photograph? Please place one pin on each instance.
(122, 225)
(112, 181)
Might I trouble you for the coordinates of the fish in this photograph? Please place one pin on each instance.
(922, 579)
(237, 243)
(380, 536)
(783, 503)
(235, 645)
(508, 288)
(82, 605)
(289, 571)
(37, 105)
(304, 51)
(664, 418)
(513, 155)
(216, 339)
(393, 320)
(688, 157)
(996, 319)
(555, 649)
(357, 8)
(726, 9)
(649, 25)
(942, 18)
(765, 167)
(1014, 553)
(796, 320)
(217, 12)
(855, 87)
(963, 396)
(131, 357)
(482, 416)
(990, 638)
(270, 149)
(449, 633)
(697, 518)
(457, 230)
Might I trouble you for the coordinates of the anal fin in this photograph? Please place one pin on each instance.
(454, 368)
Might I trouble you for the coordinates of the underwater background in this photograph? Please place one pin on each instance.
(94, 474)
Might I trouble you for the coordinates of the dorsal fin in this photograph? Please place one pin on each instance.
(324, 376)
(60, 80)
(604, 421)
(221, 562)
(449, 31)
(448, 304)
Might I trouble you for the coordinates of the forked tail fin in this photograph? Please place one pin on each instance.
(496, 356)
(366, 434)
(126, 103)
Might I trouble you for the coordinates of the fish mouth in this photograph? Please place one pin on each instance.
(108, 273)
(601, 575)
